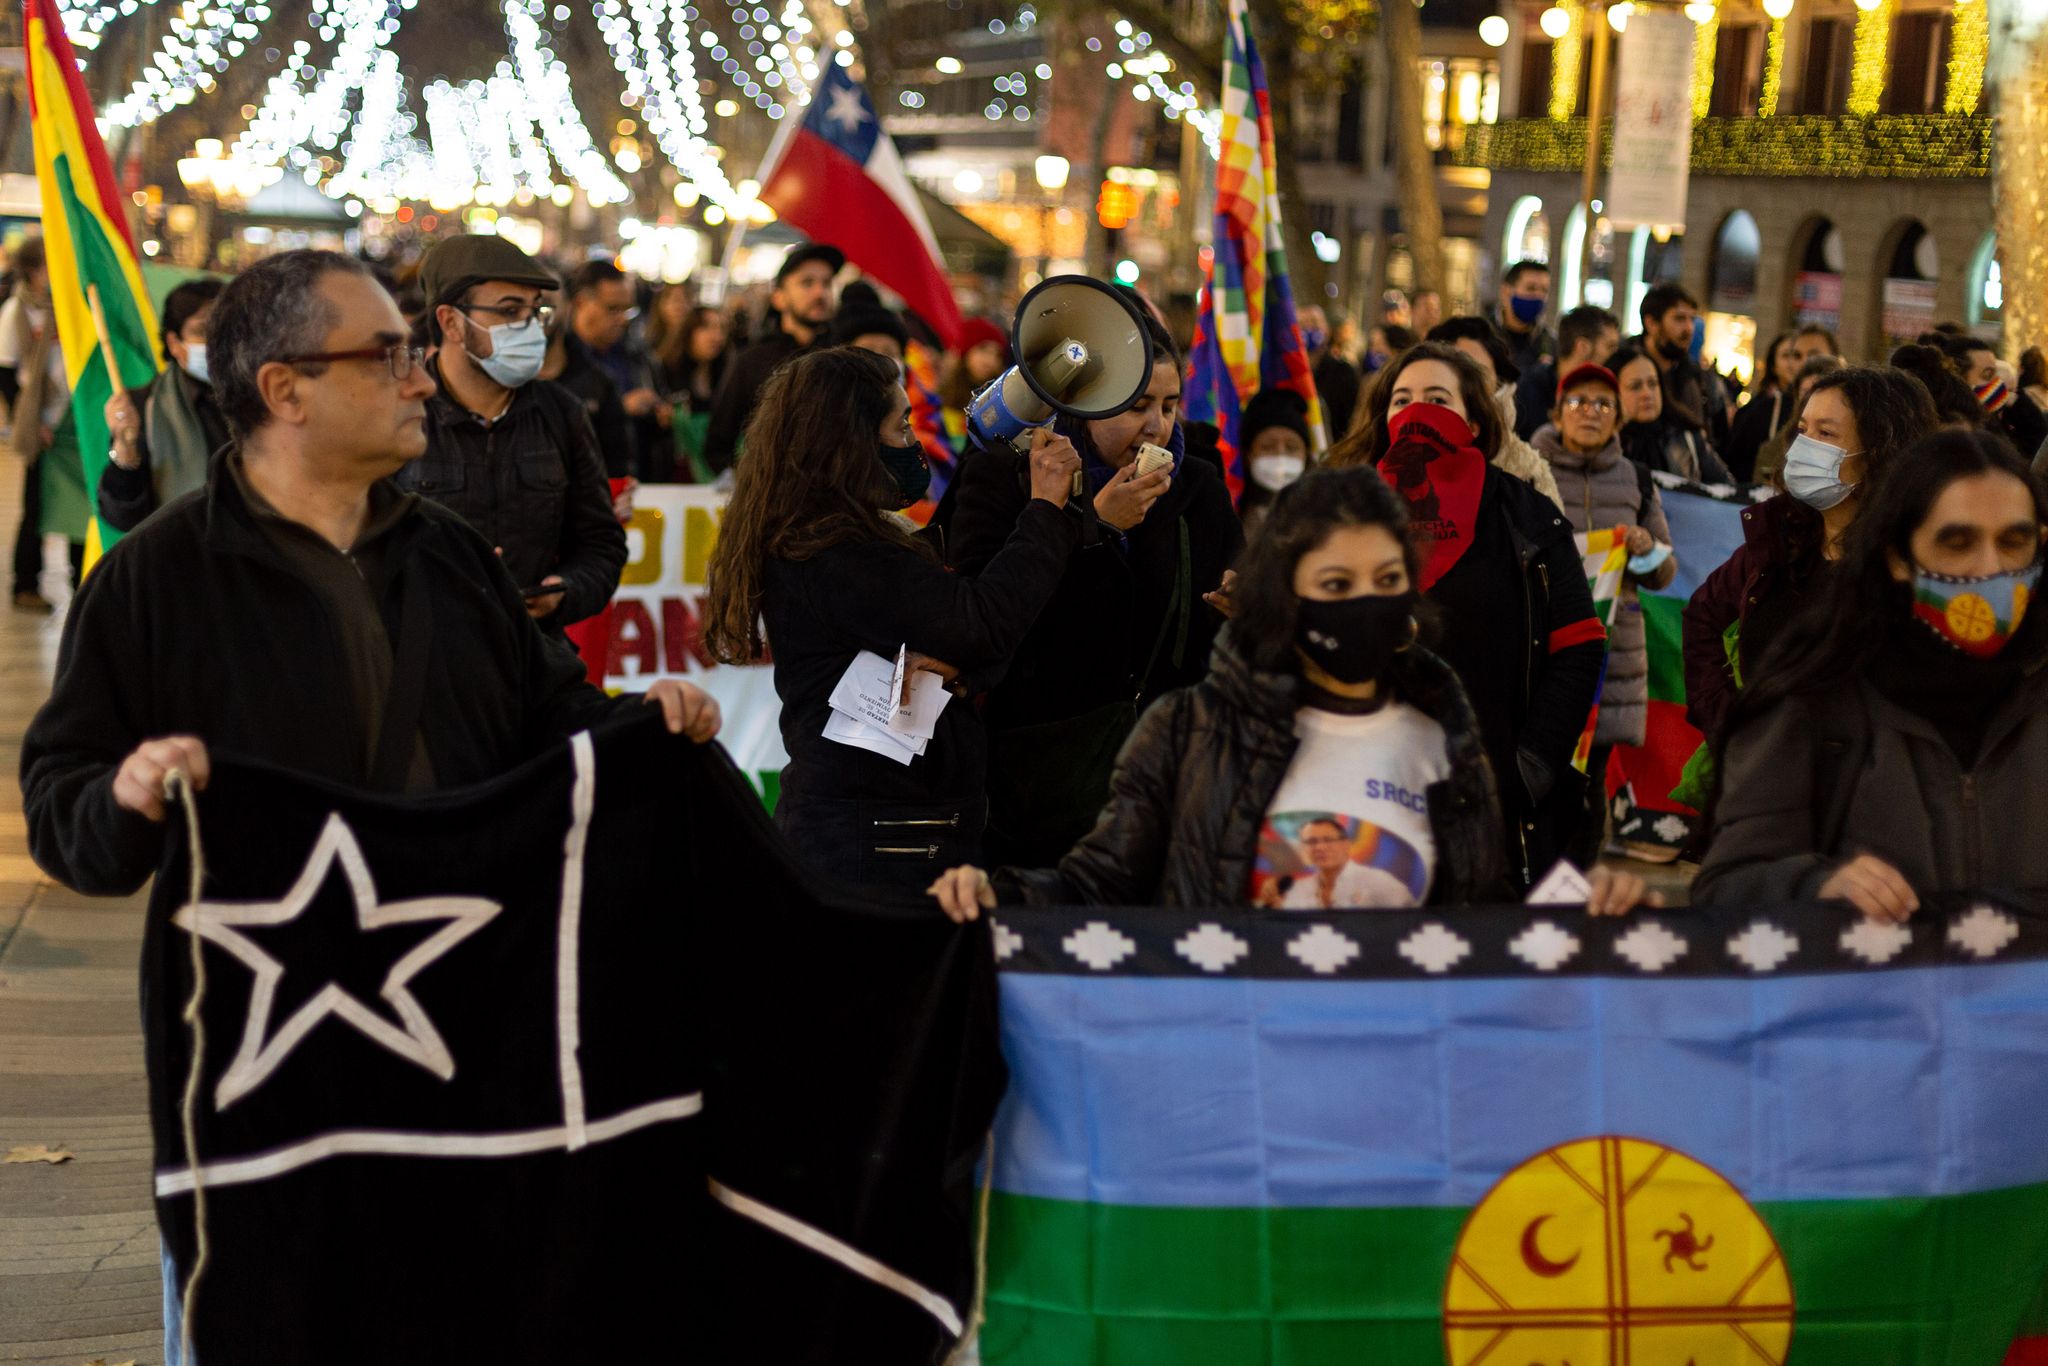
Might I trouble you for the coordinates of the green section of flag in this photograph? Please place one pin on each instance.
(1909, 1282)
(1663, 636)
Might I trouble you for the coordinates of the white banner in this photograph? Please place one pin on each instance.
(1652, 122)
(656, 624)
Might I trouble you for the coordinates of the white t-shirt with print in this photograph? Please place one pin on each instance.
(1359, 785)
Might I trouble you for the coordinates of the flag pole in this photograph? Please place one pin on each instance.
(106, 337)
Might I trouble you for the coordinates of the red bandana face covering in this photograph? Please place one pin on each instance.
(1432, 462)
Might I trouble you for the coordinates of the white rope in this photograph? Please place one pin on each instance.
(178, 788)
(968, 1349)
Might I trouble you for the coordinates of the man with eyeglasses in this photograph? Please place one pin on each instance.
(299, 608)
(600, 337)
(1604, 489)
(511, 453)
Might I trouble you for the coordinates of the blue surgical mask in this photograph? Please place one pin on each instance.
(1526, 310)
(517, 352)
(1314, 338)
(195, 362)
(1813, 473)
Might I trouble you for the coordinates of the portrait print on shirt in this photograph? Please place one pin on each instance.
(1349, 826)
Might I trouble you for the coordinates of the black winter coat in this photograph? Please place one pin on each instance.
(878, 595)
(533, 484)
(194, 624)
(1193, 785)
(1519, 629)
(1091, 644)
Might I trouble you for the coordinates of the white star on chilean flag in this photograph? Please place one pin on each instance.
(834, 175)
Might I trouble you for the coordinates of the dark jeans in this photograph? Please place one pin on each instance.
(885, 847)
(28, 540)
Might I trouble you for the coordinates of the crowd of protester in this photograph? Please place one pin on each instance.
(1166, 675)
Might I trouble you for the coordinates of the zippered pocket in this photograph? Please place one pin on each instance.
(923, 851)
(951, 822)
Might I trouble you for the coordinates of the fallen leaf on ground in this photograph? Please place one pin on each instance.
(39, 1152)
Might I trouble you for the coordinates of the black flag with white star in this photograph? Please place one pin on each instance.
(571, 1067)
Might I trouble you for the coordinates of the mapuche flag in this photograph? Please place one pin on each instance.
(553, 1069)
(1719, 1137)
(87, 242)
(1246, 334)
(835, 175)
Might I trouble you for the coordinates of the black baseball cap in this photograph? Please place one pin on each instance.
(807, 253)
(455, 264)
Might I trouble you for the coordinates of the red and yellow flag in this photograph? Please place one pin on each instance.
(86, 237)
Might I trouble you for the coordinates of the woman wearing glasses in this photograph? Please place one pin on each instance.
(514, 455)
(1604, 489)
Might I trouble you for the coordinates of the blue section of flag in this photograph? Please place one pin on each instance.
(841, 115)
(1256, 1092)
(1706, 532)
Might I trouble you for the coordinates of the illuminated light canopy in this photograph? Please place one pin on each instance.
(1493, 31)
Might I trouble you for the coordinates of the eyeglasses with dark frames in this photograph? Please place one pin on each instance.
(402, 358)
(515, 314)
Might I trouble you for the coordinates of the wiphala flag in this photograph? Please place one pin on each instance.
(1727, 1138)
(567, 1068)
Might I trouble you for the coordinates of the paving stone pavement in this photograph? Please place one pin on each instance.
(78, 1248)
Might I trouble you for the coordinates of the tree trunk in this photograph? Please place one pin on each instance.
(1304, 267)
(2020, 184)
(1422, 216)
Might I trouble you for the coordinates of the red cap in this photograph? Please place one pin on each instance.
(974, 331)
(1597, 374)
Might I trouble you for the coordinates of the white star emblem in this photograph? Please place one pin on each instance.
(1762, 946)
(1545, 946)
(1875, 941)
(1434, 949)
(1322, 950)
(1650, 946)
(847, 110)
(262, 1048)
(1984, 932)
(1008, 941)
(1099, 946)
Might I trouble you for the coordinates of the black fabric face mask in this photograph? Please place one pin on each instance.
(1353, 640)
(907, 469)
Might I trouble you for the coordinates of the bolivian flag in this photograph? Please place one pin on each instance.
(1497, 1137)
(85, 233)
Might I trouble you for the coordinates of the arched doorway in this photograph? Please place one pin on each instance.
(1906, 293)
(1985, 298)
(1731, 293)
(1817, 274)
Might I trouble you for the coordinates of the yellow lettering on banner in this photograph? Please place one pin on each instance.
(645, 566)
(700, 534)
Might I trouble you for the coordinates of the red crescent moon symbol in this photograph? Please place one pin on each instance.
(1533, 1257)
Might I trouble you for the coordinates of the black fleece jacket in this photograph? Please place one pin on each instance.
(195, 624)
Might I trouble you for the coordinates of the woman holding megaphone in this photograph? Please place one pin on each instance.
(812, 562)
(1127, 623)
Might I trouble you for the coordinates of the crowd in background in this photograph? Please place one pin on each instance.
(1167, 673)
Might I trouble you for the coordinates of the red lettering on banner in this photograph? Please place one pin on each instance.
(633, 638)
(682, 636)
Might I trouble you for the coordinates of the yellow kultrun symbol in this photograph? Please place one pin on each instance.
(1616, 1252)
(1971, 619)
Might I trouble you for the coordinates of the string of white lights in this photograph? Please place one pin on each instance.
(204, 36)
(86, 24)
(546, 82)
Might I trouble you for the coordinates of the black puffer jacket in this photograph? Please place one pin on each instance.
(1193, 784)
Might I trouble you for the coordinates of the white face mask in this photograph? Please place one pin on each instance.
(1813, 473)
(195, 361)
(1276, 472)
(518, 350)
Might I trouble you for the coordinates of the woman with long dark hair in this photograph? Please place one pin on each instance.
(1853, 426)
(1128, 623)
(1653, 436)
(1328, 761)
(810, 549)
(1500, 565)
(1895, 742)
(1770, 395)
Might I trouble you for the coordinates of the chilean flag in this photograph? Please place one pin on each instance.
(835, 176)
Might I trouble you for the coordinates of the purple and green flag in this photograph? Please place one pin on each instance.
(1728, 1137)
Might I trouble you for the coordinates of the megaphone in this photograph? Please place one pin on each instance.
(1081, 349)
